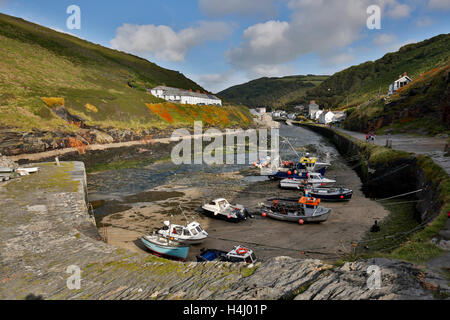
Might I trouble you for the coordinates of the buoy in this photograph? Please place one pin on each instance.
(264, 214)
(229, 216)
(289, 172)
(255, 164)
(342, 197)
(301, 222)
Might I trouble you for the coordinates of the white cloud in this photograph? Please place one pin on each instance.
(337, 59)
(424, 22)
(316, 26)
(165, 43)
(399, 11)
(384, 39)
(239, 7)
(439, 4)
(324, 27)
(216, 82)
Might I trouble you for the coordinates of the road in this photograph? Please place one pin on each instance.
(433, 147)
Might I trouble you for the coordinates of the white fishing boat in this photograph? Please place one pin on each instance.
(314, 180)
(193, 233)
(222, 209)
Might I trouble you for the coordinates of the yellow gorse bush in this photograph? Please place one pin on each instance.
(91, 107)
(52, 102)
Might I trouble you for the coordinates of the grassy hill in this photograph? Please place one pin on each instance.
(272, 92)
(41, 69)
(423, 106)
(365, 81)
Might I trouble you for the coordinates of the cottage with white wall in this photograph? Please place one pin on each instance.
(317, 115)
(400, 83)
(185, 96)
(326, 117)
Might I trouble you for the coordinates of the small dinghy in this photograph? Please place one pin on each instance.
(306, 210)
(313, 179)
(222, 209)
(330, 194)
(164, 247)
(239, 254)
(193, 233)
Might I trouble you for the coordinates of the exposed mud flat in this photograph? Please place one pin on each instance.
(128, 217)
(268, 238)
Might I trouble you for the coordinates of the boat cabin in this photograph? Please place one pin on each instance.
(191, 229)
(311, 203)
(241, 254)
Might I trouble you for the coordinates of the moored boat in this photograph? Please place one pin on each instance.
(313, 179)
(305, 210)
(164, 247)
(330, 194)
(238, 254)
(193, 233)
(222, 209)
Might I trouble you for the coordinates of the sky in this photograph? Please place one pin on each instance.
(221, 43)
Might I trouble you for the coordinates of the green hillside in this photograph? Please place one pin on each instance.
(272, 92)
(365, 81)
(423, 107)
(41, 69)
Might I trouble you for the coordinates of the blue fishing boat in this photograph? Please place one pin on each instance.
(294, 173)
(165, 247)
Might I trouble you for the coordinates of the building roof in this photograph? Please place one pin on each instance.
(404, 78)
(181, 92)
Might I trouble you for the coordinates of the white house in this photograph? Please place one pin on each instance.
(326, 117)
(312, 109)
(316, 115)
(185, 96)
(401, 82)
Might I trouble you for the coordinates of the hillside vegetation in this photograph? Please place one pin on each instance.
(365, 81)
(423, 106)
(272, 92)
(41, 70)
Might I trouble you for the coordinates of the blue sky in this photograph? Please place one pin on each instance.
(220, 43)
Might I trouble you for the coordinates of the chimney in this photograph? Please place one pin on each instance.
(405, 74)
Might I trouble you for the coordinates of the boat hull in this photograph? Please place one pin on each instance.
(347, 196)
(296, 218)
(177, 253)
(223, 217)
